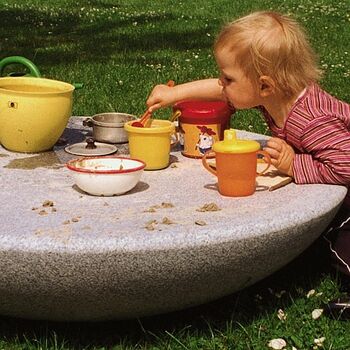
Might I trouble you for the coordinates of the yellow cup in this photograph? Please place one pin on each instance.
(151, 144)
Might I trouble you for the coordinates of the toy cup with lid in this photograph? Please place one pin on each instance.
(236, 164)
(201, 124)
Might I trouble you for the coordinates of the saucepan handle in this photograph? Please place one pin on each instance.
(88, 122)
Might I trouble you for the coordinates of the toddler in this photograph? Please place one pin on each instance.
(266, 62)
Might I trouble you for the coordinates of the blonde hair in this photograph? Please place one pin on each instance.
(272, 44)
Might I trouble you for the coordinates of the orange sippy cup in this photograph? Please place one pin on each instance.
(236, 163)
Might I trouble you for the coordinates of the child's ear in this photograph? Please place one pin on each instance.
(267, 86)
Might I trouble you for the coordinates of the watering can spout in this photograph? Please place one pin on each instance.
(78, 85)
(33, 69)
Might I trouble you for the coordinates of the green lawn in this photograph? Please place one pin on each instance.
(119, 50)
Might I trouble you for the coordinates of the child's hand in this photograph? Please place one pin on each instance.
(161, 96)
(282, 155)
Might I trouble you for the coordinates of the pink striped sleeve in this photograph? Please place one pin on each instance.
(326, 153)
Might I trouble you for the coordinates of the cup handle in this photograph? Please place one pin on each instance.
(266, 159)
(205, 163)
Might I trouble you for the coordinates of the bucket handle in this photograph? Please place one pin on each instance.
(175, 115)
(176, 140)
(34, 71)
(174, 118)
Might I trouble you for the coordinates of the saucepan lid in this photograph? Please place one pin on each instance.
(91, 148)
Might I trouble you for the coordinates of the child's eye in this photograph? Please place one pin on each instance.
(228, 80)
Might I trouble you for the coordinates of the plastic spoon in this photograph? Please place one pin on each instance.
(143, 120)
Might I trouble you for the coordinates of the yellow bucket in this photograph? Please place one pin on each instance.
(33, 112)
(151, 144)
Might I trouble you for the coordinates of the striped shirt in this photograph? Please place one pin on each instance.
(318, 128)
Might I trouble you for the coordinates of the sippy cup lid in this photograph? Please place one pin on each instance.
(231, 144)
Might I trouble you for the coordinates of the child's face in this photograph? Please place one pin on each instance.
(237, 88)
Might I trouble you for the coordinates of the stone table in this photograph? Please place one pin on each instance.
(66, 255)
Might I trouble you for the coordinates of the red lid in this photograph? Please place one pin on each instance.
(203, 112)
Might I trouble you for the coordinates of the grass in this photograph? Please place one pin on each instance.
(119, 50)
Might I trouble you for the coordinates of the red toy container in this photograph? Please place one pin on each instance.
(201, 124)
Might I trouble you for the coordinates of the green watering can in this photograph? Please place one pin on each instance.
(33, 69)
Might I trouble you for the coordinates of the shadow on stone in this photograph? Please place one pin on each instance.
(213, 187)
(140, 187)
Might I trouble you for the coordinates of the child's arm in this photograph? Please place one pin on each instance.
(325, 157)
(163, 95)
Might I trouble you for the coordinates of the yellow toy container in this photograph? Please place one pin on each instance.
(151, 144)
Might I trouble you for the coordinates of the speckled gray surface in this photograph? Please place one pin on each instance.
(92, 258)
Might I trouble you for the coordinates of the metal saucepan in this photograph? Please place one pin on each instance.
(109, 127)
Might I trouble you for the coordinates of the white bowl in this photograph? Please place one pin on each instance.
(106, 176)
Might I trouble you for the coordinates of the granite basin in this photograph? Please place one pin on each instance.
(170, 243)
